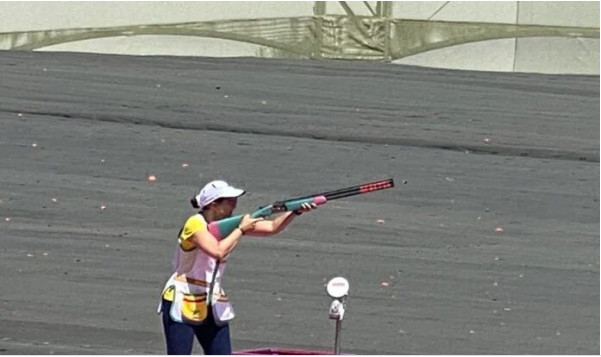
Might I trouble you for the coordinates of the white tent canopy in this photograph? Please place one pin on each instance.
(544, 37)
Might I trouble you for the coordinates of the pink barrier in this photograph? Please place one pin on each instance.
(279, 351)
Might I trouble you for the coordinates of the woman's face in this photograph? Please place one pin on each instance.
(225, 207)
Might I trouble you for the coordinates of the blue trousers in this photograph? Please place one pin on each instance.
(215, 340)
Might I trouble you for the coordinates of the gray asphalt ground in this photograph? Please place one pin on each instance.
(492, 246)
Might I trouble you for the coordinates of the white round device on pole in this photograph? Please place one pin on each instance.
(337, 289)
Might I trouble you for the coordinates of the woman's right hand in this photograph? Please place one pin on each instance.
(248, 224)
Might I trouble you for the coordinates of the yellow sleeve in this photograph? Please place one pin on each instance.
(192, 225)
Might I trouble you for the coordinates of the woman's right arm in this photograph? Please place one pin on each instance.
(219, 249)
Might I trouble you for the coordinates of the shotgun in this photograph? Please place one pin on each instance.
(224, 227)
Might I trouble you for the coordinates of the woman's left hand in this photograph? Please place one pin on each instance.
(305, 207)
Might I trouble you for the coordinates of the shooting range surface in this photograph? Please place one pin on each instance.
(492, 246)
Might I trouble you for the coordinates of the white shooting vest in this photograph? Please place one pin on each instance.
(202, 273)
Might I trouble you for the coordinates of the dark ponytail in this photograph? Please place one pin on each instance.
(194, 202)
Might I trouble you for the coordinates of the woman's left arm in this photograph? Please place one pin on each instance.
(276, 225)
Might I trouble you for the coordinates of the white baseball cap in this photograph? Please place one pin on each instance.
(215, 190)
